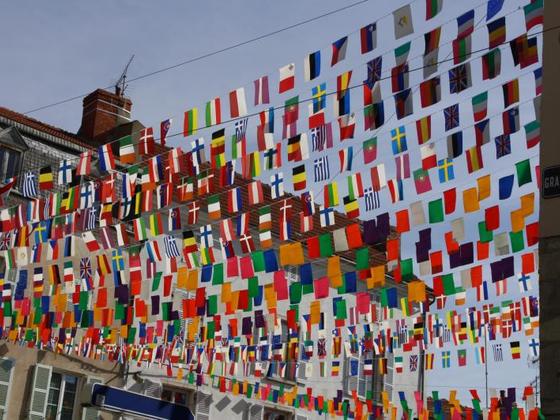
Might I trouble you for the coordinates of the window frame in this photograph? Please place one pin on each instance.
(17, 167)
(62, 391)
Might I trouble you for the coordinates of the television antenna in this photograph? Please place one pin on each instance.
(121, 85)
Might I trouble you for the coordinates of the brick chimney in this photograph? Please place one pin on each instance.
(103, 111)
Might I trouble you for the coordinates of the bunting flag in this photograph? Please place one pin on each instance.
(46, 179)
(127, 153)
(164, 128)
(402, 19)
(496, 32)
(312, 66)
(287, 78)
(339, 50)
(368, 38)
(106, 163)
(237, 103)
(84, 164)
(190, 123)
(261, 91)
(433, 7)
(213, 114)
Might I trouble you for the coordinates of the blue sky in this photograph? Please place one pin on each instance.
(62, 49)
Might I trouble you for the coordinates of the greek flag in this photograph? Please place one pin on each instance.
(171, 248)
(90, 218)
(29, 185)
(321, 166)
(498, 353)
(319, 138)
(372, 199)
(241, 128)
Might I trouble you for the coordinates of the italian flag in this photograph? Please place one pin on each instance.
(213, 112)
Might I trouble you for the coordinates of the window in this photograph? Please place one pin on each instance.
(9, 162)
(176, 396)
(355, 378)
(271, 414)
(61, 396)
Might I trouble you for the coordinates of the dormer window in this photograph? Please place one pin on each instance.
(10, 162)
(12, 147)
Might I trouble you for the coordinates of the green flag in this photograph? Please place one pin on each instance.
(435, 210)
(362, 258)
(523, 169)
(325, 245)
(218, 274)
(517, 243)
(485, 235)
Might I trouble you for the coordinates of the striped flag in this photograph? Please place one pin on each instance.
(321, 169)
(261, 91)
(29, 185)
(213, 112)
(321, 137)
(498, 352)
(171, 248)
(372, 199)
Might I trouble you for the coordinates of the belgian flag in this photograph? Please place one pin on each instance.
(46, 180)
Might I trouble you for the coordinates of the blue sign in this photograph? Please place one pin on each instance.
(117, 399)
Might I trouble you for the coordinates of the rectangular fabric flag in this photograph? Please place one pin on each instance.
(480, 106)
(433, 7)
(261, 91)
(496, 32)
(491, 64)
(190, 124)
(368, 38)
(312, 66)
(402, 19)
(213, 112)
(465, 24)
(237, 103)
(424, 129)
(287, 78)
(339, 50)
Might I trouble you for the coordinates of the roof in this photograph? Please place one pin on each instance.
(32, 123)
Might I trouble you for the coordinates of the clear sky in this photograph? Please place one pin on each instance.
(55, 50)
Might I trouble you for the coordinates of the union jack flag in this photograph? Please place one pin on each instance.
(413, 362)
(5, 241)
(373, 71)
(459, 78)
(86, 272)
(451, 114)
(503, 146)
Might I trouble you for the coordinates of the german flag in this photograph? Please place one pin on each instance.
(46, 180)
(299, 179)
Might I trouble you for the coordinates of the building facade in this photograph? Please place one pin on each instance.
(260, 334)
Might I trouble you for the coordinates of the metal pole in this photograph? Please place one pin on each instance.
(486, 361)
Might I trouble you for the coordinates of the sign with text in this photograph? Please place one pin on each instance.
(551, 182)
